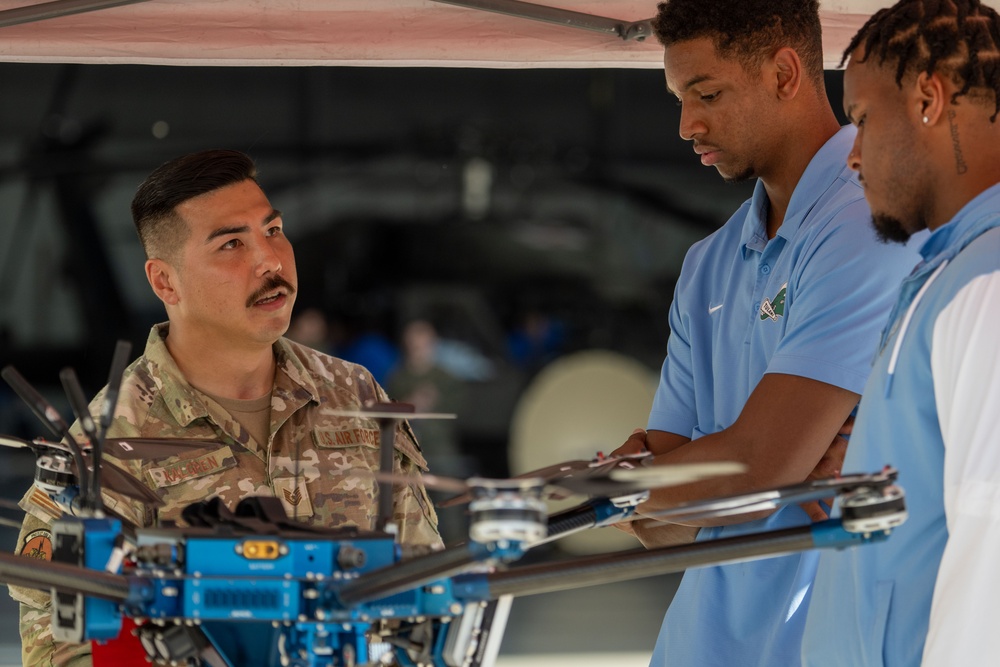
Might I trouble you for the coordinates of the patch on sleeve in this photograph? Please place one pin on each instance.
(41, 500)
(37, 544)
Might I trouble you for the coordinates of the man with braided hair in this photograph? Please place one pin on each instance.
(923, 87)
(773, 321)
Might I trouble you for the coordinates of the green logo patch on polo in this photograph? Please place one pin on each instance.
(774, 308)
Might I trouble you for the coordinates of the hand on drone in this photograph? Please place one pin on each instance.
(651, 532)
(654, 534)
(636, 444)
(829, 466)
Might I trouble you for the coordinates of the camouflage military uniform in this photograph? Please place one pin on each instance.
(311, 462)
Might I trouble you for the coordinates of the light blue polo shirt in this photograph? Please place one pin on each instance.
(873, 603)
(809, 302)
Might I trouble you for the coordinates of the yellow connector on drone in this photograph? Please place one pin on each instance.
(259, 549)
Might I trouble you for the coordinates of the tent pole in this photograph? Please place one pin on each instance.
(635, 30)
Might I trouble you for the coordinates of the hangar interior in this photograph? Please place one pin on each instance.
(499, 204)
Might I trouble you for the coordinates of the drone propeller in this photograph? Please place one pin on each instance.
(49, 416)
(71, 463)
(616, 481)
(88, 478)
(124, 483)
(16, 443)
(391, 411)
(10, 505)
(128, 449)
(118, 480)
(433, 482)
(602, 476)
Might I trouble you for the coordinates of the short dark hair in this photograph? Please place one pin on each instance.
(746, 30)
(958, 37)
(160, 229)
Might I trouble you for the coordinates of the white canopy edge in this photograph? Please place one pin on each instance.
(380, 33)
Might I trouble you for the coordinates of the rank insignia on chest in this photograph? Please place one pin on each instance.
(294, 496)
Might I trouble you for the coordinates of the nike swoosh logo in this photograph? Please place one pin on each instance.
(712, 309)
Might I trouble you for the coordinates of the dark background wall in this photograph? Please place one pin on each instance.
(473, 195)
(470, 197)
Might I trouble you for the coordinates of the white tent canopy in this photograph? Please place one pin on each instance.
(383, 33)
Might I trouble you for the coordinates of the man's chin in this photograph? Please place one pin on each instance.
(889, 229)
(270, 331)
(739, 177)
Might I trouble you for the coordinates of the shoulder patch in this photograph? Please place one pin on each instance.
(37, 544)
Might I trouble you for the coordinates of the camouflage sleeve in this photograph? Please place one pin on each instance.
(413, 510)
(35, 622)
(38, 647)
(414, 513)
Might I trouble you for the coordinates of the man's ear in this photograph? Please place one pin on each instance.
(931, 95)
(163, 279)
(788, 70)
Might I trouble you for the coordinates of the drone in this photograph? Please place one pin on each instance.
(251, 586)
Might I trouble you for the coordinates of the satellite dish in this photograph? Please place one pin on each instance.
(576, 406)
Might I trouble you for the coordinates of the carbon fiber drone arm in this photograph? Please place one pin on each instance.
(774, 498)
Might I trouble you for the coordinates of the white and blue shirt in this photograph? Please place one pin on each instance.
(932, 410)
(809, 302)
